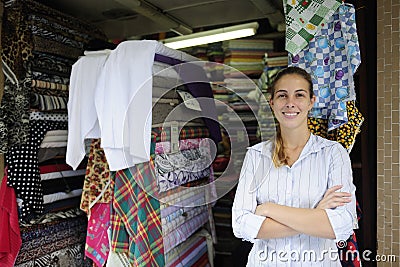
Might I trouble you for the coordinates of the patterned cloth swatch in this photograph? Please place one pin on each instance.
(332, 58)
(303, 20)
(96, 179)
(344, 134)
(97, 243)
(135, 216)
(23, 168)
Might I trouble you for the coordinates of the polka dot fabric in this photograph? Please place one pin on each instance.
(23, 168)
(37, 115)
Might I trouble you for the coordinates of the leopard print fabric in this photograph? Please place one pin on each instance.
(16, 40)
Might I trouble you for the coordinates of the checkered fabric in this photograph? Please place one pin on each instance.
(159, 134)
(303, 20)
(332, 58)
(135, 216)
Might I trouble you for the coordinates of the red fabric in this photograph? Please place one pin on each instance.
(10, 235)
(58, 168)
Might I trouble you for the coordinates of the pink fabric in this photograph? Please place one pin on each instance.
(97, 244)
(184, 144)
(10, 235)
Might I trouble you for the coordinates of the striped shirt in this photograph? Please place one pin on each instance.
(321, 165)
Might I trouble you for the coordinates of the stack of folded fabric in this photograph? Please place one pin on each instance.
(245, 55)
(34, 115)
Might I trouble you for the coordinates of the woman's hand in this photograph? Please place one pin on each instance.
(333, 199)
(262, 209)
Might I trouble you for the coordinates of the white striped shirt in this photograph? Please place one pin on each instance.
(321, 165)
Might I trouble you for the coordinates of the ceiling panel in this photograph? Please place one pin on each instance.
(121, 19)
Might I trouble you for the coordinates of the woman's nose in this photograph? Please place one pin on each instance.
(289, 103)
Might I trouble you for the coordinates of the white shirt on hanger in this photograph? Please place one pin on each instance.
(82, 116)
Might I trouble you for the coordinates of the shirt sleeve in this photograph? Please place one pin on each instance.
(343, 219)
(245, 223)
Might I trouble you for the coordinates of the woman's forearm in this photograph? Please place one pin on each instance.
(314, 222)
(273, 229)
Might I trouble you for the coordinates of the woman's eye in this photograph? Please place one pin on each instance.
(281, 96)
(300, 95)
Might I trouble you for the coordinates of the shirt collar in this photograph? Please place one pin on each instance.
(314, 144)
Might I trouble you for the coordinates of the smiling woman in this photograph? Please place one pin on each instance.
(296, 191)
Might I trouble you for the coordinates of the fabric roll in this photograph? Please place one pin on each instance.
(51, 64)
(48, 103)
(53, 35)
(182, 233)
(179, 250)
(159, 134)
(61, 195)
(49, 46)
(49, 85)
(48, 116)
(177, 222)
(65, 184)
(48, 77)
(173, 179)
(185, 144)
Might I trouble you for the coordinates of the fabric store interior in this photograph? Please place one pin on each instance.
(96, 174)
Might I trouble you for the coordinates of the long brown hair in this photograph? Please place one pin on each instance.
(279, 158)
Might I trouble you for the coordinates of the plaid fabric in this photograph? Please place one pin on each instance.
(160, 134)
(303, 20)
(135, 216)
(332, 58)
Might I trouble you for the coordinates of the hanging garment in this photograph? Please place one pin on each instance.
(332, 58)
(23, 168)
(82, 118)
(9, 231)
(344, 134)
(14, 114)
(124, 90)
(303, 20)
(97, 185)
(135, 216)
(97, 243)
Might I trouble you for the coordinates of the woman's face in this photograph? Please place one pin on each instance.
(291, 102)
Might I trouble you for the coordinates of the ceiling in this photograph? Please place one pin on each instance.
(133, 19)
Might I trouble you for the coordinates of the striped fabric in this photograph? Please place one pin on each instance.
(135, 216)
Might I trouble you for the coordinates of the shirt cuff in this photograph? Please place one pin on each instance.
(251, 226)
(341, 222)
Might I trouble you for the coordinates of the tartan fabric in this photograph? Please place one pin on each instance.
(332, 58)
(303, 20)
(159, 134)
(135, 216)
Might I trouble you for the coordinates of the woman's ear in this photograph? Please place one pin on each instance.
(312, 100)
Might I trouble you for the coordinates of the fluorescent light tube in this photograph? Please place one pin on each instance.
(212, 36)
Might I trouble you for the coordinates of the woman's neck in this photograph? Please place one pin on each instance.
(293, 139)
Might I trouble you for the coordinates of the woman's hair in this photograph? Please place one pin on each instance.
(279, 157)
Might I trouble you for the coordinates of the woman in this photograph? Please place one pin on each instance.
(292, 200)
